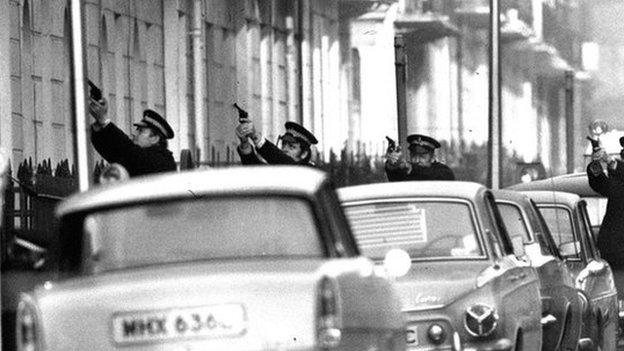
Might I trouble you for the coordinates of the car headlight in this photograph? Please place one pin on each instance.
(481, 320)
(436, 334)
(27, 326)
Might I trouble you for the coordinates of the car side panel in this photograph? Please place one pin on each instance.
(519, 293)
(563, 304)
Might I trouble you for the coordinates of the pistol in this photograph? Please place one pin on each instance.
(595, 143)
(242, 114)
(391, 144)
(94, 91)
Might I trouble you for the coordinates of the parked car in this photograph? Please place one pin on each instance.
(233, 259)
(465, 288)
(575, 183)
(568, 221)
(563, 304)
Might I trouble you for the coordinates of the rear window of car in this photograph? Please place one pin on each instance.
(426, 230)
(201, 229)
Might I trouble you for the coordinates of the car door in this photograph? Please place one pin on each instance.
(563, 229)
(519, 286)
(557, 282)
(598, 283)
(559, 298)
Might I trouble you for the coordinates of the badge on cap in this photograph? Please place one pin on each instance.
(299, 132)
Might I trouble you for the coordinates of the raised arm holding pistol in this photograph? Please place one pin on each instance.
(144, 152)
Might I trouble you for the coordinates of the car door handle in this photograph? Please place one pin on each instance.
(513, 278)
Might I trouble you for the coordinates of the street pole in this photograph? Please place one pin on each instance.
(569, 117)
(80, 104)
(400, 71)
(201, 148)
(494, 107)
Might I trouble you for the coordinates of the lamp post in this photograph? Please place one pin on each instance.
(494, 107)
(79, 97)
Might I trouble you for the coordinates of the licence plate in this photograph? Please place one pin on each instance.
(217, 321)
(412, 336)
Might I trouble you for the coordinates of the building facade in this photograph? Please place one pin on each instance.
(190, 60)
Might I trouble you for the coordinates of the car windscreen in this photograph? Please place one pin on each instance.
(425, 229)
(200, 229)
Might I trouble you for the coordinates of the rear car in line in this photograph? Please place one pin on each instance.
(568, 220)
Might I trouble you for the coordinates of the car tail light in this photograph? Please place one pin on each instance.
(27, 327)
(328, 314)
(481, 320)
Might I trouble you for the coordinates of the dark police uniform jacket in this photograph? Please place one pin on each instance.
(272, 154)
(611, 235)
(437, 171)
(115, 146)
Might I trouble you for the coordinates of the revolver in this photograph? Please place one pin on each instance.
(242, 114)
(94, 91)
(392, 146)
(595, 143)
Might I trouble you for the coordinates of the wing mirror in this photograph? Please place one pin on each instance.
(397, 262)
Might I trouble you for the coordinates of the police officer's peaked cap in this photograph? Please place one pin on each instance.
(155, 121)
(299, 132)
(420, 142)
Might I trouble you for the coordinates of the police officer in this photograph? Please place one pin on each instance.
(422, 164)
(606, 176)
(145, 153)
(295, 148)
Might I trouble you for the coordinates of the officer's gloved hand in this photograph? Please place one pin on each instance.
(99, 109)
(251, 132)
(242, 132)
(598, 154)
(601, 155)
(394, 159)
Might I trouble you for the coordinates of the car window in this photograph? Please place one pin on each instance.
(596, 208)
(344, 244)
(502, 242)
(544, 236)
(559, 222)
(514, 222)
(210, 228)
(425, 229)
(587, 229)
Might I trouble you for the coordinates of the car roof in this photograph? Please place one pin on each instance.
(575, 183)
(510, 195)
(454, 189)
(553, 197)
(240, 180)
